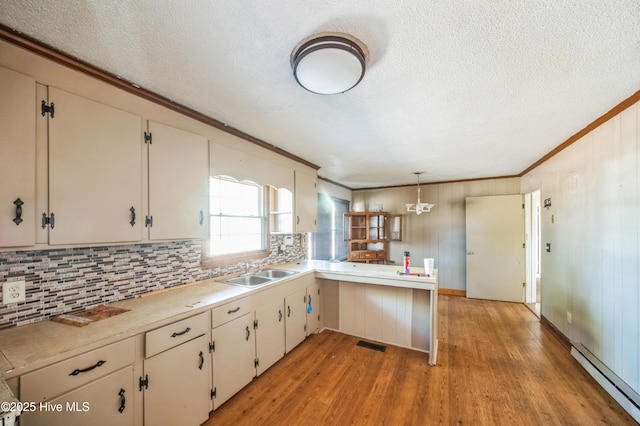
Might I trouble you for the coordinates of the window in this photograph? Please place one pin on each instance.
(328, 242)
(238, 220)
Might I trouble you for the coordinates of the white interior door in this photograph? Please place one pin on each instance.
(495, 252)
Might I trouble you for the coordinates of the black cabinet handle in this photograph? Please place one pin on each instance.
(248, 334)
(123, 400)
(133, 216)
(186, 330)
(288, 311)
(233, 311)
(18, 219)
(52, 220)
(84, 370)
(280, 313)
(201, 355)
(201, 217)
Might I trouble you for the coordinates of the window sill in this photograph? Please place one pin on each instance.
(230, 259)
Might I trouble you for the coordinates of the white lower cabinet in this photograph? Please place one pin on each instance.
(177, 373)
(313, 308)
(269, 333)
(107, 401)
(232, 355)
(295, 319)
(96, 387)
(176, 385)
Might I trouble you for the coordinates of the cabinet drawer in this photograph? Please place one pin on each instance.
(233, 310)
(49, 382)
(368, 255)
(171, 335)
(380, 254)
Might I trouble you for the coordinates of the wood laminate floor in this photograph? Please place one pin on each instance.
(496, 366)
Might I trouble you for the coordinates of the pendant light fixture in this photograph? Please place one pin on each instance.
(329, 63)
(419, 207)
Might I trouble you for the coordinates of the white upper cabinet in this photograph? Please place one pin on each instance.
(17, 159)
(95, 171)
(306, 202)
(178, 183)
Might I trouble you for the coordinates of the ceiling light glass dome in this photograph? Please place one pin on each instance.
(329, 63)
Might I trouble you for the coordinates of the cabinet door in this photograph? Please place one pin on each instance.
(233, 358)
(178, 390)
(178, 183)
(269, 335)
(313, 308)
(295, 319)
(17, 159)
(306, 202)
(107, 401)
(95, 171)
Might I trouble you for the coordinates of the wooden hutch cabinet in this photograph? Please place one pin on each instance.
(367, 236)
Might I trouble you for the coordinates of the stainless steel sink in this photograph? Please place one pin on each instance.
(274, 273)
(255, 279)
(247, 280)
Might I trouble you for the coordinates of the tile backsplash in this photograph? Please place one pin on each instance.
(64, 280)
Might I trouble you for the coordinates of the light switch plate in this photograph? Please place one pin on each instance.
(13, 292)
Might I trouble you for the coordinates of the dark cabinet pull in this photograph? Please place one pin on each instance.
(201, 217)
(18, 219)
(186, 330)
(133, 216)
(280, 313)
(248, 334)
(123, 400)
(288, 311)
(84, 370)
(201, 361)
(233, 311)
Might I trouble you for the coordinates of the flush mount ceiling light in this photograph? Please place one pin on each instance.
(419, 207)
(329, 63)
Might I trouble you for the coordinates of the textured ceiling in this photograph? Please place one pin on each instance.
(458, 89)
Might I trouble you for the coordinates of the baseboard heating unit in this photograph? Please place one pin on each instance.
(610, 382)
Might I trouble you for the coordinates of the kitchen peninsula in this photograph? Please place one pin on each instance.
(370, 301)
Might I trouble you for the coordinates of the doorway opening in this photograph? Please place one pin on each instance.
(533, 287)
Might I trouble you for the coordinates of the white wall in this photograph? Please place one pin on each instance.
(592, 269)
(334, 190)
(439, 234)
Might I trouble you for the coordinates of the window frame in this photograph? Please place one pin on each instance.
(210, 261)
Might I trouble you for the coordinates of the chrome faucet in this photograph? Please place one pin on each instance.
(251, 264)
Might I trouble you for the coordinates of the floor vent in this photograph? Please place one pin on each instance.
(369, 345)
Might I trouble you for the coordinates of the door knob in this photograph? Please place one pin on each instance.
(469, 252)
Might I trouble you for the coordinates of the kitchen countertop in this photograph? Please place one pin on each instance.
(33, 346)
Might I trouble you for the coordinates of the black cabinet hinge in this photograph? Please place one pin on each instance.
(213, 393)
(48, 220)
(256, 363)
(148, 138)
(305, 327)
(212, 347)
(47, 109)
(148, 221)
(144, 382)
(255, 324)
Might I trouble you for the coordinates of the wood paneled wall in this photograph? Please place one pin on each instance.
(439, 234)
(592, 225)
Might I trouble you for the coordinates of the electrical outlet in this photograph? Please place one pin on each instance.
(568, 317)
(13, 292)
